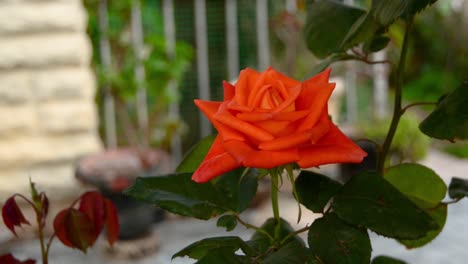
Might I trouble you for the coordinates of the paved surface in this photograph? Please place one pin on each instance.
(450, 247)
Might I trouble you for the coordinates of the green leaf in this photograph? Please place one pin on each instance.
(419, 183)
(261, 242)
(387, 11)
(293, 252)
(223, 256)
(227, 221)
(327, 24)
(177, 193)
(387, 260)
(439, 214)
(239, 186)
(322, 65)
(416, 6)
(379, 42)
(369, 200)
(450, 118)
(458, 188)
(362, 30)
(201, 248)
(315, 190)
(333, 241)
(194, 157)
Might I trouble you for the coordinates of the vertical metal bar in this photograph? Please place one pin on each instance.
(202, 61)
(380, 85)
(232, 39)
(140, 75)
(263, 43)
(106, 60)
(174, 111)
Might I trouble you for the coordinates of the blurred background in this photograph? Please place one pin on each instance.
(96, 92)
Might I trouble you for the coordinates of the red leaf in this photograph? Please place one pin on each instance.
(9, 259)
(12, 215)
(112, 222)
(74, 229)
(92, 204)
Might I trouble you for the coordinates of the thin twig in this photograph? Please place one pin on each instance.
(416, 104)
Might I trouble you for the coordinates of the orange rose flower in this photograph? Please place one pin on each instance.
(268, 120)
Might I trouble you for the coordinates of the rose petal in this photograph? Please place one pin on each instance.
(209, 109)
(229, 91)
(286, 142)
(274, 75)
(216, 162)
(293, 94)
(315, 98)
(290, 116)
(250, 157)
(229, 120)
(335, 147)
(247, 80)
(254, 116)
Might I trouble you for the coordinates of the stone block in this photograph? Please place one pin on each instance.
(33, 150)
(39, 51)
(64, 84)
(36, 16)
(67, 117)
(16, 119)
(15, 87)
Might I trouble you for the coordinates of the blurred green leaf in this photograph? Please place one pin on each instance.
(377, 43)
(293, 252)
(315, 190)
(224, 256)
(262, 243)
(327, 24)
(387, 260)
(177, 193)
(419, 183)
(239, 186)
(201, 248)
(322, 65)
(439, 214)
(369, 200)
(195, 155)
(458, 188)
(333, 241)
(450, 118)
(227, 221)
(387, 11)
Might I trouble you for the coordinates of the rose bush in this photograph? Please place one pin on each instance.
(268, 119)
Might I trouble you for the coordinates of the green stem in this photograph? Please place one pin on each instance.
(44, 251)
(397, 110)
(274, 196)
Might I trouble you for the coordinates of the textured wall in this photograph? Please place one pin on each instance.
(47, 114)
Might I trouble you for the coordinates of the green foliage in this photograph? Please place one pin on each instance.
(369, 200)
(195, 155)
(227, 221)
(450, 119)
(179, 194)
(315, 190)
(333, 241)
(459, 150)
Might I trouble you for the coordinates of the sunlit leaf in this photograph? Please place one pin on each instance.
(420, 183)
(333, 241)
(369, 200)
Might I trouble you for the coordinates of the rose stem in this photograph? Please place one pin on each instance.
(274, 200)
(397, 110)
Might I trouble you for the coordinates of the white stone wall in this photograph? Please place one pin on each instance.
(47, 113)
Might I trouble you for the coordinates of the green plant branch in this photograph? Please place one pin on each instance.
(397, 110)
(297, 232)
(416, 104)
(274, 200)
(250, 226)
